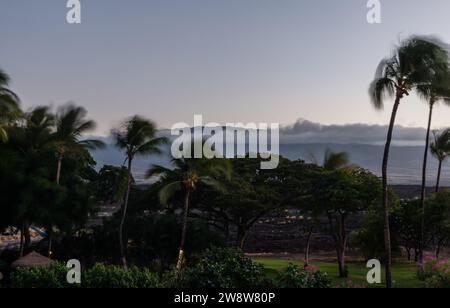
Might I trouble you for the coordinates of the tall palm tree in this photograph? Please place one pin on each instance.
(434, 92)
(185, 177)
(440, 149)
(137, 137)
(70, 127)
(333, 160)
(67, 139)
(414, 62)
(9, 105)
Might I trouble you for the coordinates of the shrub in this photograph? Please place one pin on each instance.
(99, 276)
(435, 273)
(224, 268)
(295, 277)
(53, 277)
(115, 277)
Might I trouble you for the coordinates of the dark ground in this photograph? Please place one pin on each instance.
(285, 234)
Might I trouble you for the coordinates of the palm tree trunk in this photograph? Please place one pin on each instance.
(123, 257)
(50, 244)
(184, 231)
(26, 235)
(22, 244)
(424, 183)
(58, 180)
(307, 249)
(387, 231)
(438, 182)
(58, 169)
(242, 236)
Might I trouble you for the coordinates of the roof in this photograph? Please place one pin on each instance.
(32, 260)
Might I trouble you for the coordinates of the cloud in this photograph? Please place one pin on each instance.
(304, 131)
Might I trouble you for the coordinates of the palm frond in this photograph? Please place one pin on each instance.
(152, 146)
(157, 170)
(334, 161)
(213, 183)
(169, 191)
(3, 135)
(379, 89)
(4, 79)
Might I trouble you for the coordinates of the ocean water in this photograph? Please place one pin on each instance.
(405, 164)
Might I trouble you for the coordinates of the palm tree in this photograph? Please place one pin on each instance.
(67, 139)
(137, 137)
(440, 149)
(414, 62)
(70, 127)
(433, 92)
(9, 105)
(334, 161)
(186, 177)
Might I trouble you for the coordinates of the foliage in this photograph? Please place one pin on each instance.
(53, 277)
(440, 147)
(295, 277)
(435, 272)
(111, 183)
(224, 268)
(249, 194)
(113, 277)
(99, 276)
(334, 161)
(369, 237)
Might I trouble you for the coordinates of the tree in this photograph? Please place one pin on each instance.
(440, 149)
(137, 137)
(406, 220)
(338, 195)
(186, 176)
(416, 61)
(111, 183)
(438, 220)
(9, 105)
(28, 143)
(434, 91)
(31, 196)
(249, 195)
(67, 139)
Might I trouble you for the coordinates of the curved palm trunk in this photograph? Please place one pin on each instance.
(58, 180)
(184, 231)
(438, 181)
(308, 249)
(50, 244)
(58, 169)
(387, 231)
(22, 231)
(424, 183)
(123, 257)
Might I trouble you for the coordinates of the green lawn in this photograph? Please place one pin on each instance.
(404, 274)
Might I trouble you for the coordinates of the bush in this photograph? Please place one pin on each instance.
(224, 268)
(435, 273)
(99, 276)
(115, 277)
(295, 277)
(53, 277)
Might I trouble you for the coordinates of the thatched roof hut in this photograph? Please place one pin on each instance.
(32, 260)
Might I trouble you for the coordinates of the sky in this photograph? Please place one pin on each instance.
(273, 61)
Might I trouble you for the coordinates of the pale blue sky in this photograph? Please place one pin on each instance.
(230, 60)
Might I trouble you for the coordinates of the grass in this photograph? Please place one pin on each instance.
(404, 274)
